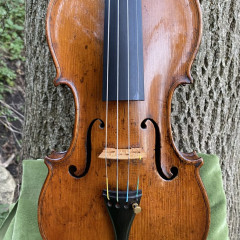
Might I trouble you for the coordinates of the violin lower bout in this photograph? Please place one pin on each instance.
(171, 210)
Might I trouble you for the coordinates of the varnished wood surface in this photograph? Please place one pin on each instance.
(71, 208)
(122, 154)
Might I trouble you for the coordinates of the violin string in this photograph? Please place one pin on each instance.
(106, 140)
(128, 101)
(117, 87)
(139, 119)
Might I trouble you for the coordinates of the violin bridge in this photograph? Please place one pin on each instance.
(123, 154)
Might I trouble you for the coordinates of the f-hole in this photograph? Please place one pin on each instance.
(73, 169)
(174, 170)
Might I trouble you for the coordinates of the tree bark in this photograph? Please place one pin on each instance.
(205, 115)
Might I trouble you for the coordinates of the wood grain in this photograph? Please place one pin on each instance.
(71, 208)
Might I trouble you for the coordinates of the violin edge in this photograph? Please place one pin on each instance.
(188, 158)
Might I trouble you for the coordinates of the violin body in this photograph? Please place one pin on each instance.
(173, 199)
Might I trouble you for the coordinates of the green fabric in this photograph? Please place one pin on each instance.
(24, 225)
(21, 223)
(4, 227)
(212, 178)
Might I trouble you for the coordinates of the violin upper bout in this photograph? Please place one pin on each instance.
(69, 26)
(178, 32)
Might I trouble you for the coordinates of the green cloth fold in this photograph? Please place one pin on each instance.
(22, 223)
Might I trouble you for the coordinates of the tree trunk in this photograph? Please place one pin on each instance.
(205, 116)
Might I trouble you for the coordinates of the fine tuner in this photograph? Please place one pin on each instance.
(136, 208)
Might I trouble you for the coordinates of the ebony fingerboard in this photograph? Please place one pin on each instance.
(133, 37)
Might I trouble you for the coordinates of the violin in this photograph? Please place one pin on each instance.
(123, 176)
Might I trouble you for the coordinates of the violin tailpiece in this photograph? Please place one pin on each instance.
(122, 213)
